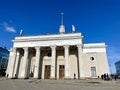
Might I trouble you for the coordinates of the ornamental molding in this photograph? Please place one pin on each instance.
(94, 45)
(48, 37)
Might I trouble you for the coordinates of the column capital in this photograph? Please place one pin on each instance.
(66, 46)
(14, 49)
(79, 45)
(37, 47)
(53, 46)
(25, 48)
(10, 49)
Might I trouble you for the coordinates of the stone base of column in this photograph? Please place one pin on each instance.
(54, 78)
(81, 78)
(67, 78)
(23, 77)
(10, 77)
(36, 77)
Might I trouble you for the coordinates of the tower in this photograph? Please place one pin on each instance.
(62, 27)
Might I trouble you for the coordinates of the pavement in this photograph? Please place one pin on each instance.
(88, 84)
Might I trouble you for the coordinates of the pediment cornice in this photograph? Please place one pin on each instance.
(48, 37)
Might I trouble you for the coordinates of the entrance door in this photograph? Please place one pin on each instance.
(47, 72)
(61, 71)
(93, 71)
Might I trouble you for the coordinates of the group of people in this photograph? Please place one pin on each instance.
(30, 77)
(105, 76)
(5, 77)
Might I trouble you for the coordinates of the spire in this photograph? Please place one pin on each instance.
(62, 18)
(62, 27)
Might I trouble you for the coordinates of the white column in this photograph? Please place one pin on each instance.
(16, 65)
(37, 63)
(53, 61)
(43, 72)
(67, 68)
(12, 63)
(25, 61)
(80, 61)
(9, 62)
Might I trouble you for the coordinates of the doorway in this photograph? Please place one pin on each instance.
(61, 71)
(47, 72)
(93, 71)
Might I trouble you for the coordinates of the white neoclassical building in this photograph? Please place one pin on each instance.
(60, 56)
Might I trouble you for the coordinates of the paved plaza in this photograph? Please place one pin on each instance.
(17, 84)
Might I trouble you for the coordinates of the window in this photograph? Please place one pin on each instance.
(92, 59)
(47, 66)
(61, 67)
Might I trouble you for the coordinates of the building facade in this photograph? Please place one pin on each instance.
(4, 55)
(117, 65)
(56, 56)
(60, 56)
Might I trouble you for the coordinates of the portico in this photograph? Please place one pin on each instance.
(34, 59)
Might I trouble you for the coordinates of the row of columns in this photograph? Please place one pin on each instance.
(37, 62)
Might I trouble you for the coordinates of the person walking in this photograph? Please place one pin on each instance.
(30, 77)
(74, 76)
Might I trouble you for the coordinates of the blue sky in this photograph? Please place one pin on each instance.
(97, 20)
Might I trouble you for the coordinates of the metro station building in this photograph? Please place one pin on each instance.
(60, 56)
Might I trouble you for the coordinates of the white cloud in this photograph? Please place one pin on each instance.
(8, 28)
